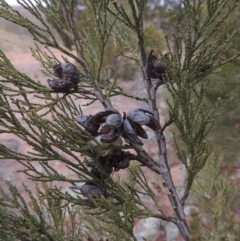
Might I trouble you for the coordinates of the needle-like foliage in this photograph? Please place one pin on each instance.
(97, 205)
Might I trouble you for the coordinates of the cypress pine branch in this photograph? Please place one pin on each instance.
(119, 202)
(163, 169)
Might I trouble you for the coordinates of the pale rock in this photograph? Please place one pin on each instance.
(172, 232)
(189, 209)
(147, 229)
(11, 144)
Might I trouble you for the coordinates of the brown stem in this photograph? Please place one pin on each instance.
(75, 37)
(163, 169)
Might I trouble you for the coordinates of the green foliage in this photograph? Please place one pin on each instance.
(84, 17)
(226, 132)
(194, 51)
(218, 197)
(40, 218)
(192, 118)
(50, 214)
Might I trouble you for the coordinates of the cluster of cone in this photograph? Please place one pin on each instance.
(129, 126)
(109, 126)
(102, 169)
(114, 126)
(154, 69)
(68, 75)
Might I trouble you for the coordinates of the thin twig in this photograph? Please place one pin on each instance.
(166, 124)
(77, 91)
(162, 168)
(75, 37)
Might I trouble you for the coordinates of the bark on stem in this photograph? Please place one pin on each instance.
(164, 169)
